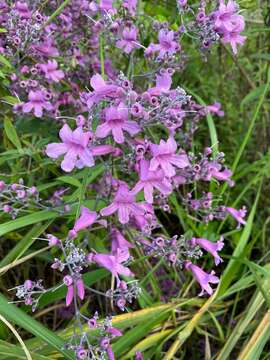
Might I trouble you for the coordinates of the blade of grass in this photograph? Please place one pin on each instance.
(16, 334)
(20, 318)
(24, 244)
(233, 266)
(254, 347)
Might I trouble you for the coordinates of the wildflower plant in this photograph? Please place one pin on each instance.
(78, 72)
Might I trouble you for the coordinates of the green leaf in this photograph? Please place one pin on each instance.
(232, 268)
(28, 220)
(5, 62)
(20, 318)
(12, 133)
(24, 244)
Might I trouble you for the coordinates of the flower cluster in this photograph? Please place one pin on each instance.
(138, 127)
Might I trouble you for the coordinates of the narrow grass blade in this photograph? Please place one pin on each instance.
(20, 318)
(254, 347)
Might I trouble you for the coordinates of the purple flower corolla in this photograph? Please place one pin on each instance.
(167, 45)
(163, 85)
(37, 103)
(113, 263)
(116, 121)
(46, 48)
(78, 284)
(224, 15)
(238, 215)
(87, 218)
(233, 37)
(150, 180)
(51, 72)
(124, 203)
(74, 145)
(203, 278)
(131, 6)
(165, 157)
(224, 175)
(23, 10)
(128, 40)
(102, 90)
(107, 5)
(119, 242)
(215, 109)
(209, 246)
(76, 150)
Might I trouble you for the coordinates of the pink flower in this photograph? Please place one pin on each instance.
(124, 203)
(215, 109)
(224, 15)
(209, 246)
(46, 48)
(167, 45)
(68, 281)
(75, 146)
(107, 5)
(51, 72)
(86, 219)
(224, 175)
(233, 37)
(128, 41)
(116, 121)
(150, 180)
(130, 5)
(164, 157)
(37, 103)
(163, 85)
(102, 90)
(22, 9)
(238, 214)
(203, 278)
(119, 242)
(113, 263)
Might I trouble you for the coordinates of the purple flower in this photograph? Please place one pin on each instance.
(150, 180)
(224, 175)
(86, 219)
(167, 45)
(130, 5)
(203, 278)
(68, 281)
(119, 242)
(224, 15)
(116, 121)
(124, 203)
(209, 246)
(113, 263)
(114, 332)
(102, 90)
(37, 103)
(128, 41)
(22, 9)
(163, 85)
(164, 157)
(46, 48)
(74, 145)
(233, 37)
(238, 214)
(51, 72)
(107, 5)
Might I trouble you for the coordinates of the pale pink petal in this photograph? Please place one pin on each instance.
(69, 161)
(65, 133)
(54, 150)
(103, 130)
